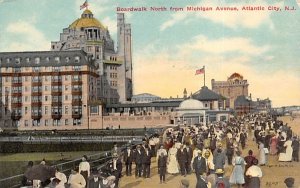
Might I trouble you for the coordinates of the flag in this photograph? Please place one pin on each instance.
(200, 71)
(84, 5)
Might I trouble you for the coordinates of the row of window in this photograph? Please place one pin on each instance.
(37, 123)
(41, 78)
(46, 110)
(37, 60)
(39, 69)
(40, 88)
(46, 98)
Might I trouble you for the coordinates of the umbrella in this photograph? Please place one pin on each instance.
(40, 172)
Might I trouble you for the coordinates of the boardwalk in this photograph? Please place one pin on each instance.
(273, 174)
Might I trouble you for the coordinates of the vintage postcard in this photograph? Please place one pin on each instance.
(79, 77)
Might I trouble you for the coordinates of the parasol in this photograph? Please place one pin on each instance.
(40, 172)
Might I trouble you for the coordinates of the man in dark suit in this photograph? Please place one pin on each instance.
(182, 158)
(138, 159)
(162, 166)
(95, 181)
(128, 158)
(146, 163)
(295, 146)
(189, 151)
(199, 165)
(116, 168)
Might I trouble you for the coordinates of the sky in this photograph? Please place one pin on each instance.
(168, 46)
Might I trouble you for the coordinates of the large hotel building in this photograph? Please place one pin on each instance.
(232, 88)
(54, 88)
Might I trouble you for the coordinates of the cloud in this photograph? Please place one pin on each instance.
(223, 45)
(110, 24)
(29, 38)
(231, 19)
(175, 18)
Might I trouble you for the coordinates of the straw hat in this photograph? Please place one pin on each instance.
(219, 171)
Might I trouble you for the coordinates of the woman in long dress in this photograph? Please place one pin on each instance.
(172, 164)
(273, 145)
(287, 156)
(262, 154)
(237, 175)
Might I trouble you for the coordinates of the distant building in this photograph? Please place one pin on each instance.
(243, 105)
(232, 88)
(144, 98)
(46, 89)
(262, 106)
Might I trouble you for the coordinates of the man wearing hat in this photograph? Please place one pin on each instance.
(128, 158)
(138, 158)
(199, 165)
(182, 157)
(220, 180)
(95, 181)
(146, 162)
(289, 182)
(116, 168)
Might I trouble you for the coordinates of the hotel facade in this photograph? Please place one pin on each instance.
(46, 88)
(55, 89)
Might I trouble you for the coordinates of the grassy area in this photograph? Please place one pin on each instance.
(51, 156)
(14, 164)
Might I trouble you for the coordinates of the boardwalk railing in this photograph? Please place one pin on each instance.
(98, 161)
(70, 139)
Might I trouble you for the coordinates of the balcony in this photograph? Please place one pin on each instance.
(16, 116)
(16, 84)
(56, 93)
(16, 94)
(76, 102)
(76, 82)
(36, 93)
(36, 103)
(16, 104)
(76, 115)
(56, 82)
(76, 92)
(36, 84)
(56, 103)
(36, 116)
(56, 115)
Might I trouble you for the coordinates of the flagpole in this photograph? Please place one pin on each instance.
(204, 74)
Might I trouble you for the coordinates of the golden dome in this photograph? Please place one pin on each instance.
(86, 20)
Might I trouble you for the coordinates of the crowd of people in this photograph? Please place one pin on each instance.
(206, 151)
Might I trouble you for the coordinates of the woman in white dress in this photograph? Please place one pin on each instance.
(262, 154)
(172, 163)
(287, 156)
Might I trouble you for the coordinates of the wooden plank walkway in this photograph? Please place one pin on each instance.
(273, 174)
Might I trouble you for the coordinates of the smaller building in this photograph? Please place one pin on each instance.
(210, 99)
(243, 105)
(144, 98)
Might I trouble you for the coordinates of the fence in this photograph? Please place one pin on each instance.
(98, 160)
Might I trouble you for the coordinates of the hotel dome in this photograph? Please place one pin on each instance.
(87, 20)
